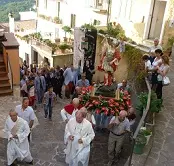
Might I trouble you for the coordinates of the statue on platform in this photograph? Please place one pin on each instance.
(110, 60)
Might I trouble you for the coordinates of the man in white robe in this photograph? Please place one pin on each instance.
(78, 136)
(17, 131)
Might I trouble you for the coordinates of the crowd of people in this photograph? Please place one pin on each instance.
(157, 66)
(43, 85)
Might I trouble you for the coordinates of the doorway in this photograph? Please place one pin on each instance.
(35, 58)
(27, 58)
(158, 12)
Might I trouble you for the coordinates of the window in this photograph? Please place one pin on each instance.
(58, 9)
(45, 4)
(99, 2)
(73, 20)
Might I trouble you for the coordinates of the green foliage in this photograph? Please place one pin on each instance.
(14, 6)
(155, 104)
(141, 139)
(170, 43)
(136, 65)
(57, 20)
(115, 31)
(67, 29)
(64, 46)
(88, 26)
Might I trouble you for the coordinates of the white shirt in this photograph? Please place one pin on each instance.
(148, 65)
(66, 116)
(156, 62)
(27, 114)
(24, 88)
(153, 48)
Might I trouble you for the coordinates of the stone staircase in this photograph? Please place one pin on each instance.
(5, 87)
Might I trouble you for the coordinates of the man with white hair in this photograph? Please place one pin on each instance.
(153, 48)
(78, 136)
(17, 131)
(118, 127)
(70, 110)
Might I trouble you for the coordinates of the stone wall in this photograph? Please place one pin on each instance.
(62, 60)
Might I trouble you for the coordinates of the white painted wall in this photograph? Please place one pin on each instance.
(24, 48)
(30, 15)
(81, 8)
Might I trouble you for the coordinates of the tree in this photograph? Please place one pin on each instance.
(67, 29)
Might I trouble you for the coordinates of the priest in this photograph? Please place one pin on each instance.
(78, 136)
(70, 110)
(17, 131)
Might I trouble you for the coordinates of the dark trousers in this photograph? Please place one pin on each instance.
(159, 89)
(29, 138)
(48, 110)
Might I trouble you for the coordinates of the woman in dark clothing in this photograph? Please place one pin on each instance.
(48, 80)
(89, 71)
(57, 84)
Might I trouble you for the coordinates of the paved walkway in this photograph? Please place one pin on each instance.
(162, 152)
(47, 139)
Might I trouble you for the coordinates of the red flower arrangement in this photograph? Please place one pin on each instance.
(108, 106)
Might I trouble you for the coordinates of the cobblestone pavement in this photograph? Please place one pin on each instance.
(47, 140)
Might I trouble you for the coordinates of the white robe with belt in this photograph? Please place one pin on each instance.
(17, 148)
(78, 153)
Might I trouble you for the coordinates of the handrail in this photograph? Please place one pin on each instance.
(142, 119)
(10, 72)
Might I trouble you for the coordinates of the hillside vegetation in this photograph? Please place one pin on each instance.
(14, 6)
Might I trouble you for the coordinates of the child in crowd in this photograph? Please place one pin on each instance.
(49, 101)
(148, 65)
(31, 93)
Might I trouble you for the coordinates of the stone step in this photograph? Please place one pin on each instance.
(4, 78)
(2, 68)
(6, 92)
(3, 85)
(3, 74)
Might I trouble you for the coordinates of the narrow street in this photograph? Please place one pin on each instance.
(47, 142)
(162, 151)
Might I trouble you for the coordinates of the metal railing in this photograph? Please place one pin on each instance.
(142, 120)
(10, 73)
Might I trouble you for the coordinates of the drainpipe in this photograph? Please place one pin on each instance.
(109, 11)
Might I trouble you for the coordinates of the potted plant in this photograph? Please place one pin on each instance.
(66, 29)
(155, 107)
(146, 133)
(57, 40)
(140, 143)
(63, 47)
(57, 20)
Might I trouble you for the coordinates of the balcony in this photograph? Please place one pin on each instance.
(55, 20)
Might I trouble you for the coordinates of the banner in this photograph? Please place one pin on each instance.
(90, 38)
(79, 44)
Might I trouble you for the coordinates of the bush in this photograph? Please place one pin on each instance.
(64, 46)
